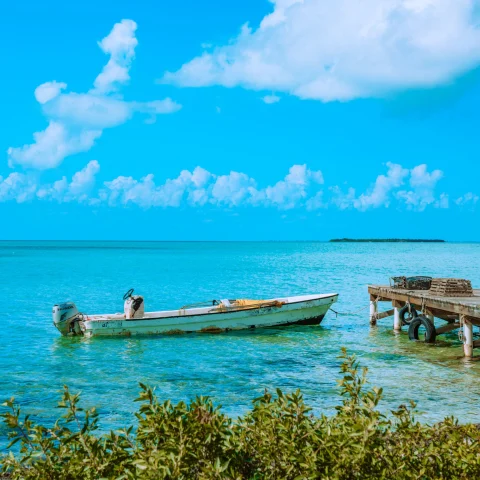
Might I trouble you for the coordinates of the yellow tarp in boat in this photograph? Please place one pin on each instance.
(246, 303)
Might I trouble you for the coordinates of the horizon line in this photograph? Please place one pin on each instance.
(218, 241)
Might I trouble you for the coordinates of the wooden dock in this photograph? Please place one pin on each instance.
(458, 313)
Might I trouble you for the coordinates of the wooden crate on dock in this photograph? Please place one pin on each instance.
(451, 287)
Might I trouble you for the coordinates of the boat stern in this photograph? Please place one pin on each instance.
(66, 318)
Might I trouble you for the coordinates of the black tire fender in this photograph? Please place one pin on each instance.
(430, 331)
(407, 315)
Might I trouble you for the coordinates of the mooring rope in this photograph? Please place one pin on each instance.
(423, 307)
(354, 312)
(461, 320)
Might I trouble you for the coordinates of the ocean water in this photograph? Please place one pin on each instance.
(233, 368)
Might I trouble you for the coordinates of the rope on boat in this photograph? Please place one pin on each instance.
(251, 306)
(206, 303)
(218, 305)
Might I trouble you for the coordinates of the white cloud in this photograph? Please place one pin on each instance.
(379, 195)
(83, 180)
(79, 189)
(279, 14)
(52, 145)
(345, 49)
(56, 191)
(469, 199)
(120, 44)
(443, 201)
(289, 192)
(316, 202)
(201, 187)
(48, 91)
(144, 192)
(422, 191)
(302, 188)
(113, 193)
(233, 189)
(200, 177)
(88, 111)
(269, 99)
(18, 187)
(387, 188)
(342, 200)
(77, 120)
(154, 108)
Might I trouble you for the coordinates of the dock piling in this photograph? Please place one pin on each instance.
(373, 311)
(467, 337)
(397, 322)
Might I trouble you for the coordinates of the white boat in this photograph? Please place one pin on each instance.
(208, 317)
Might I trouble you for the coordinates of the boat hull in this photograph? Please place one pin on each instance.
(304, 310)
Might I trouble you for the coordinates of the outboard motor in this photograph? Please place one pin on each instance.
(66, 318)
(134, 307)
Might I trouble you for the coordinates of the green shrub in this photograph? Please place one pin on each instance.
(277, 439)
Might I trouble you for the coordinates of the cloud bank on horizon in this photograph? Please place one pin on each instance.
(77, 120)
(301, 188)
(344, 49)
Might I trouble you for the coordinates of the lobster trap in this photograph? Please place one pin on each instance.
(411, 283)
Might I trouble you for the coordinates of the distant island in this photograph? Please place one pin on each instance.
(386, 240)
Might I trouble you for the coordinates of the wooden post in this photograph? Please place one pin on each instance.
(447, 328)
(467, 337)
(397, 322)
(431, 317)
(373, 311)
(387, 313)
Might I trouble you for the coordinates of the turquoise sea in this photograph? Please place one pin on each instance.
(233, 367)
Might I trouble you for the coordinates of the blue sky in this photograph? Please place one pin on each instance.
(252, 121)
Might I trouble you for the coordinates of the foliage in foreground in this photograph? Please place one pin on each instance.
(278, 439)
